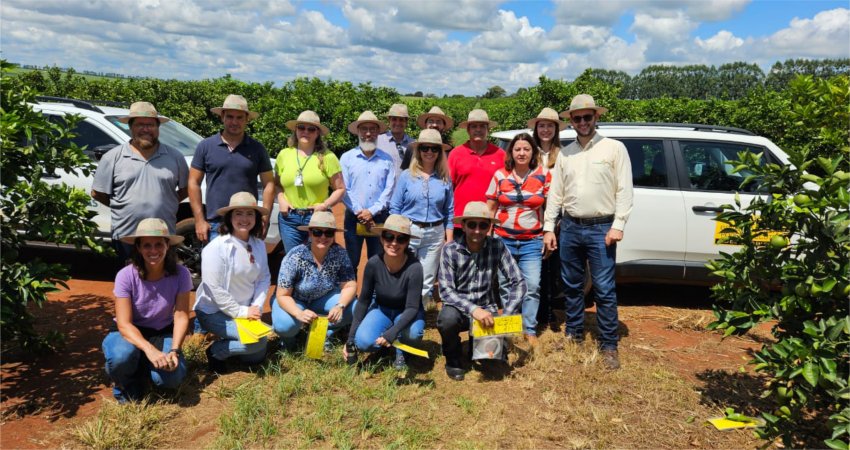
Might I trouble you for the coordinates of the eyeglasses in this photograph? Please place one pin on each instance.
(472, 225)
(429, 148)
(586, 118)
(250, 253)
(318, 232)
(309, 129)
(390, 237)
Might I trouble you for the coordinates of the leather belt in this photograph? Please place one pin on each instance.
(591, 220)
(428, 224)
(301, 211)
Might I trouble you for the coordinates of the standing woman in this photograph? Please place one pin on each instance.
(546, 128)
(424, 195)
(235, 281)
(151, 314)
(516, 197)
(303, 172)
(395, 279)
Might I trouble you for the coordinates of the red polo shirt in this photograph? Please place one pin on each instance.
(471, 173)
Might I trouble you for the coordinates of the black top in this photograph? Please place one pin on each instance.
(400, 290)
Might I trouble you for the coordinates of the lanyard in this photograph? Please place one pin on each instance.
(298, 161)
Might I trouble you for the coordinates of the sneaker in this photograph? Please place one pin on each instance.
(400, 363)
(610, 359)
(214, 364)
(352, 354)
(455, 373)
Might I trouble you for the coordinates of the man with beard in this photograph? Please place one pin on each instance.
(140, 179)
(473, 163)
(369, 177)
(591, 191)
(395, 141)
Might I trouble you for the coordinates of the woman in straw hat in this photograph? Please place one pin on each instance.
(151, 314)
(315, 279)
(303, 172)
(424, 195)
(394, 280)
(235, 281)
(516, 196)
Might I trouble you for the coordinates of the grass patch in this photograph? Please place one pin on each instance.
(133, 425)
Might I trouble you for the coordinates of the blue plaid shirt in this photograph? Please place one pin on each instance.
(467, 279)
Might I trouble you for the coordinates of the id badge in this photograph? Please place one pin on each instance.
(299, 180)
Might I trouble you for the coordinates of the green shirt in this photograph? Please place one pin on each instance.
(315, 181)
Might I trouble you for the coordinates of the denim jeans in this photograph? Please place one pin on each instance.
(287, 326)
(551, 287)
(129, 368)
(528, 254)
(228, 344)
(213, 233)
(354, 243)
(379, 319)
(288, 225)
(427, 250)
(586, 243)
(450, 322)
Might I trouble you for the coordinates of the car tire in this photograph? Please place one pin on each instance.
(189, 252)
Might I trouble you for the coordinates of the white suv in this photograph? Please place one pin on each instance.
(681, 178)
(100, 131)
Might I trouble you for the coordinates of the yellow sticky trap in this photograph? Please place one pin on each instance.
(723, 424)
(409, 349)
(251, 331)
(502, 325)
(316, 338)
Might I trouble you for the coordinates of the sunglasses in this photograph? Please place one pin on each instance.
(250, 254)
(317, 232)
(579, 119)
(472, 225)
(309, 129)
(390, 237)
(429, 148)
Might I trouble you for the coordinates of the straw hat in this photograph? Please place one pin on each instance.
(309, 118)
(142, 109)
(475, 210)
(547, 114)
(366, 117)
(152, 228)
(397, 223)
(428, 136)
(583, 101)
(321, 219)
(242, 200)
(477, 115)
(398, 110)
(436, 113)
(238, 103)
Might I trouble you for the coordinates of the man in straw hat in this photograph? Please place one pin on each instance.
(231, 161)
(591, 191)
(434, 119)
(369, 177)
(395, 141)
(140, 179)
(469, 268)
(473, 163)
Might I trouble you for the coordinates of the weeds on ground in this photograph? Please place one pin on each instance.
(132, 425)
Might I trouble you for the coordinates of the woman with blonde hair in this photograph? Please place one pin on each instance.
(303, 172)
(424, 195)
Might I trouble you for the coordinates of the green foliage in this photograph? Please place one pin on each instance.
(32, 209)
(801, 284)
(495, 92)
(782, 73)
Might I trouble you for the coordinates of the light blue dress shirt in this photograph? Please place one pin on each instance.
(423, 201)
(395, 149)
(369, 182)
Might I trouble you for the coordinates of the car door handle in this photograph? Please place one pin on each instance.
(707, 209)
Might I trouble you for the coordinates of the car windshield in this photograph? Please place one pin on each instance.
(171, 133)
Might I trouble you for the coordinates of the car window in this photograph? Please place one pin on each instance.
(171, 133)
(649, 167)
(709, 168)
(88, 134)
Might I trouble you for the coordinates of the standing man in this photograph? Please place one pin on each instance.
(592, 192)
(473, 163)
(231, 160)
(140, 179)
(369, 177)
(435, 119)
(395, 141)
(469, 268)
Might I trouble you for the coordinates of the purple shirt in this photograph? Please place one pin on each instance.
(152, 301)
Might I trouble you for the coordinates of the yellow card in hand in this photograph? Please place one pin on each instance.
(502, 325)
(363, 231)
(251, 331)
(409, 349)
(316, 338)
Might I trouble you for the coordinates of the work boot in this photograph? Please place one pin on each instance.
(610, 359)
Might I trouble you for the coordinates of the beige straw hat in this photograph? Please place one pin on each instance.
(152, 227)
(398, 110)
(475, 210)
(583, 101)
(397, 223)
(477, 115)
(550, 115)
(436, 113)
(366, 117)
(321, 219)
(242, 200)
(309, 118)
(238, 103)
(428, 136)
(142, 109)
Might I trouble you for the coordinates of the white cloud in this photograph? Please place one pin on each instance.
(584, 13)
(723, 41)
(471, 15)
(577, 37)
(676, 27)
(827, 35)
(515, 40)
(381, 27)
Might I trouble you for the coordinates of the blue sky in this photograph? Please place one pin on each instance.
(434, 46)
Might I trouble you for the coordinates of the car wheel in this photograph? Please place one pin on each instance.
(189, 252)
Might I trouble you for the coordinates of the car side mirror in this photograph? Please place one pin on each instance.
(98, 152)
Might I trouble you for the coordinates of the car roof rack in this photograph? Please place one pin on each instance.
(692, 126)
(82, 104)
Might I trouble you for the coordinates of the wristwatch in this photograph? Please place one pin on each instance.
(176, 350)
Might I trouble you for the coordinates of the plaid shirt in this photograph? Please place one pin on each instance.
(467, 279)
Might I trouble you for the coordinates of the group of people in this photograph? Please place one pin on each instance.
(529, 214)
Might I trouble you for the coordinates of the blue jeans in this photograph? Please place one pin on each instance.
(227, 345)
(288, 225)
(581, 244)
(129, 368)
(213, 233)
(379, 319)
(427, 250)
(528, 254)
(354, 243)
(287, 326)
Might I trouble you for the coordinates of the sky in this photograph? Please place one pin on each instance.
(433, 46)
